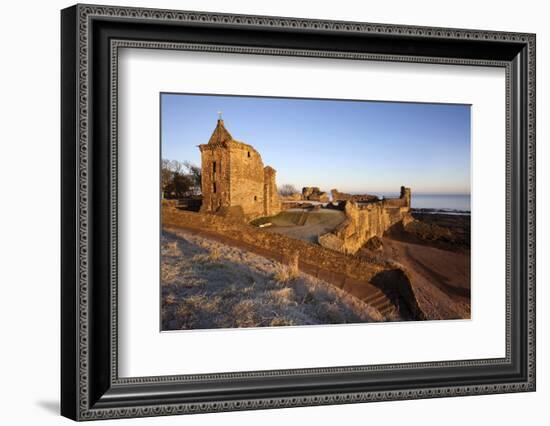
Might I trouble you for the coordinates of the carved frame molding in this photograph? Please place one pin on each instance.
(77, 338)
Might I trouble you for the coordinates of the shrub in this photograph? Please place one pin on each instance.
(285, 274)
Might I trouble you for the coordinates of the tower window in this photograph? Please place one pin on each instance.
(255, 198)
(214, 187)
(213, 167)
(248, 154)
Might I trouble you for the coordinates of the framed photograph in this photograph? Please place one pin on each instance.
(263, 212)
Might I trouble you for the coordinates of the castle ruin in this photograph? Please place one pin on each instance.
(236, 184)
(313, 193)
(338, 196)
(365, 220)
(234, 180)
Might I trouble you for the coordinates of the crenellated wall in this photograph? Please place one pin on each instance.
(364, 221)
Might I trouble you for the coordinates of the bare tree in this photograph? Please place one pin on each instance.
(179, 179)
(177, 167)
(180, 185)
(287, 189)
(195, 173)
(165, 175)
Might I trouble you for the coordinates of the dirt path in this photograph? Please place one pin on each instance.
(440, 278)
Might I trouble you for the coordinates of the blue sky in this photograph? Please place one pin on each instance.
(354, 146)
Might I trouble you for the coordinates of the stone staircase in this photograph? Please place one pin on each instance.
(380, 301)
(371, 295)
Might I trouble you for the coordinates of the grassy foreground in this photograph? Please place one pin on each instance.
(206, 284)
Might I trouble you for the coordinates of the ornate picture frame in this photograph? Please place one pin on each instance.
(90, 39)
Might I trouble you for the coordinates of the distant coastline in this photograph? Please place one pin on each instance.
(438, 203)
(442, 211)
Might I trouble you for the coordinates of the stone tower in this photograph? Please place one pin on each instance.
(272, 204)
(406, 195)
(234, 178)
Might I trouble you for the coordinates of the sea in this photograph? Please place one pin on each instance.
(445, 203)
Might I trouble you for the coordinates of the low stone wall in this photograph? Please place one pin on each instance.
(247, 234)
(394, 202)
(285, 205)
(364, 280)
(342, 196)
(169, 203)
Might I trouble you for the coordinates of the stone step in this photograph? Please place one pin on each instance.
(369, 294)
(361, 289)
(386, 308)
(386, 312)
(376, 298)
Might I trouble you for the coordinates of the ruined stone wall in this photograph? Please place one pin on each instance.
(313, 193)
(272, 203)
(310, 253)
(366, 221)
(233, 175)
(342, 196)
(321, 197)
(406, 195)
(348, 273)
(215, 178)
(247, 180)
(394, 202)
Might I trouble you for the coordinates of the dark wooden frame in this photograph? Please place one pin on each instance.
(90, 386)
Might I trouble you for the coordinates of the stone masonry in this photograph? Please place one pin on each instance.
(313, 193)
(234, 179)
(367, 220)
(342, 196)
